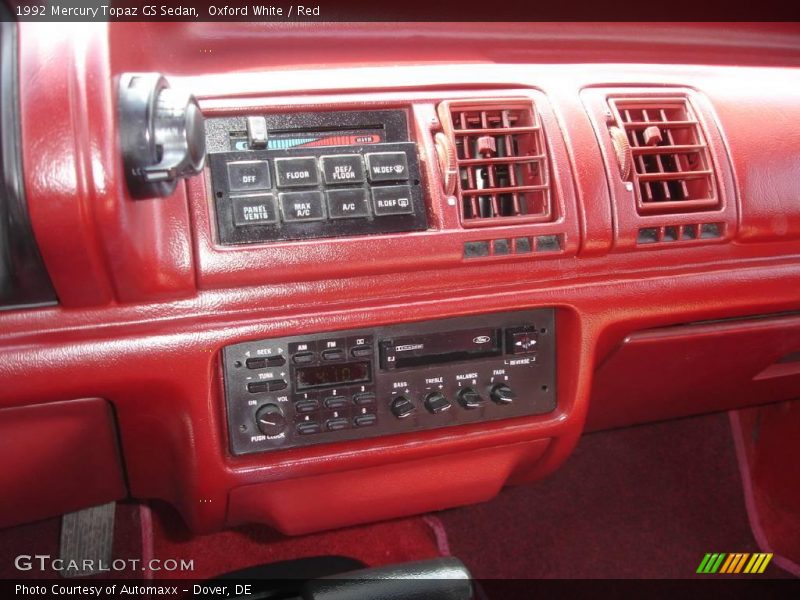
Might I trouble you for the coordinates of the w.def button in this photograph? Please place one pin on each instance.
(392, 200)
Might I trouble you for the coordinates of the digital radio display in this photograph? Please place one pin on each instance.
(330, 375)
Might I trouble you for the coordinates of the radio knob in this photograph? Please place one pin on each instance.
(469, 398)
(435, 402)
(270, 419)
(502, 394)
(402, 407)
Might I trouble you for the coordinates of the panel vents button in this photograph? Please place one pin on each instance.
(254, 209)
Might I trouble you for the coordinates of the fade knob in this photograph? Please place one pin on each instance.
(502, 394)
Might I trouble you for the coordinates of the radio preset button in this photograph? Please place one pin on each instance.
(342, 168)
(337, 424)
(392, 200)
(308, 427)
(387, 166)
(348, 204)
(254, 209)
(364, 399)
(336, 402)
(305, 406)
(435, 402)
(402, 407)
(365, 420)
(248, 175)
(302, 206)
(296, 172)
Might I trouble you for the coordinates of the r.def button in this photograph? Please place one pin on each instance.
(392, 200)
(254, 209)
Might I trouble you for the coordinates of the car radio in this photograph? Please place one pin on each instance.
(345, 385)
(310, 175)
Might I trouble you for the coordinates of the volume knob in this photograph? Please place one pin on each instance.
(270, 420)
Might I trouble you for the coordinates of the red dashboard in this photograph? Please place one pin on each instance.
(662, 310)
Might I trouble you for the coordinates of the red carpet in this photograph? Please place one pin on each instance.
(642, 502)
(645, 502)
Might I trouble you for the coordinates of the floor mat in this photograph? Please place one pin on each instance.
(389, 542)
(641, 502)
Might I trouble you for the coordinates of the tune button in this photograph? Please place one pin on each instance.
(502, 394)
(270, 420)
(276, 385)
(435, 402)
(469, 398)
(402, 407)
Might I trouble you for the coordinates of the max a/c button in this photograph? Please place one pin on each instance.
(392, 200)
(302, 206)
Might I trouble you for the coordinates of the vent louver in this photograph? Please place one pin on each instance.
(502, 161)
(671, 167)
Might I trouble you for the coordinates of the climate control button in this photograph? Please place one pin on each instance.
(469, 398)
(502, 394)
(436, 402)
(270, 420)
(402, 407)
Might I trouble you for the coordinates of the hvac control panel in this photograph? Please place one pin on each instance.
(310, 175)
(328, 387)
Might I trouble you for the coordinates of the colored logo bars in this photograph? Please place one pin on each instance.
(714, 563)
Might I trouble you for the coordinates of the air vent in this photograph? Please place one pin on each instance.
(502, 162)
(671, 166)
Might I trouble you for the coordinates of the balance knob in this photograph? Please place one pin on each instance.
(270, 419)
(502, 394)
(469, 398)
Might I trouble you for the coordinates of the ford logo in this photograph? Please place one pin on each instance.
(482, 339)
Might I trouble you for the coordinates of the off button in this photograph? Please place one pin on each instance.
(246, 175)
(392, 200)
